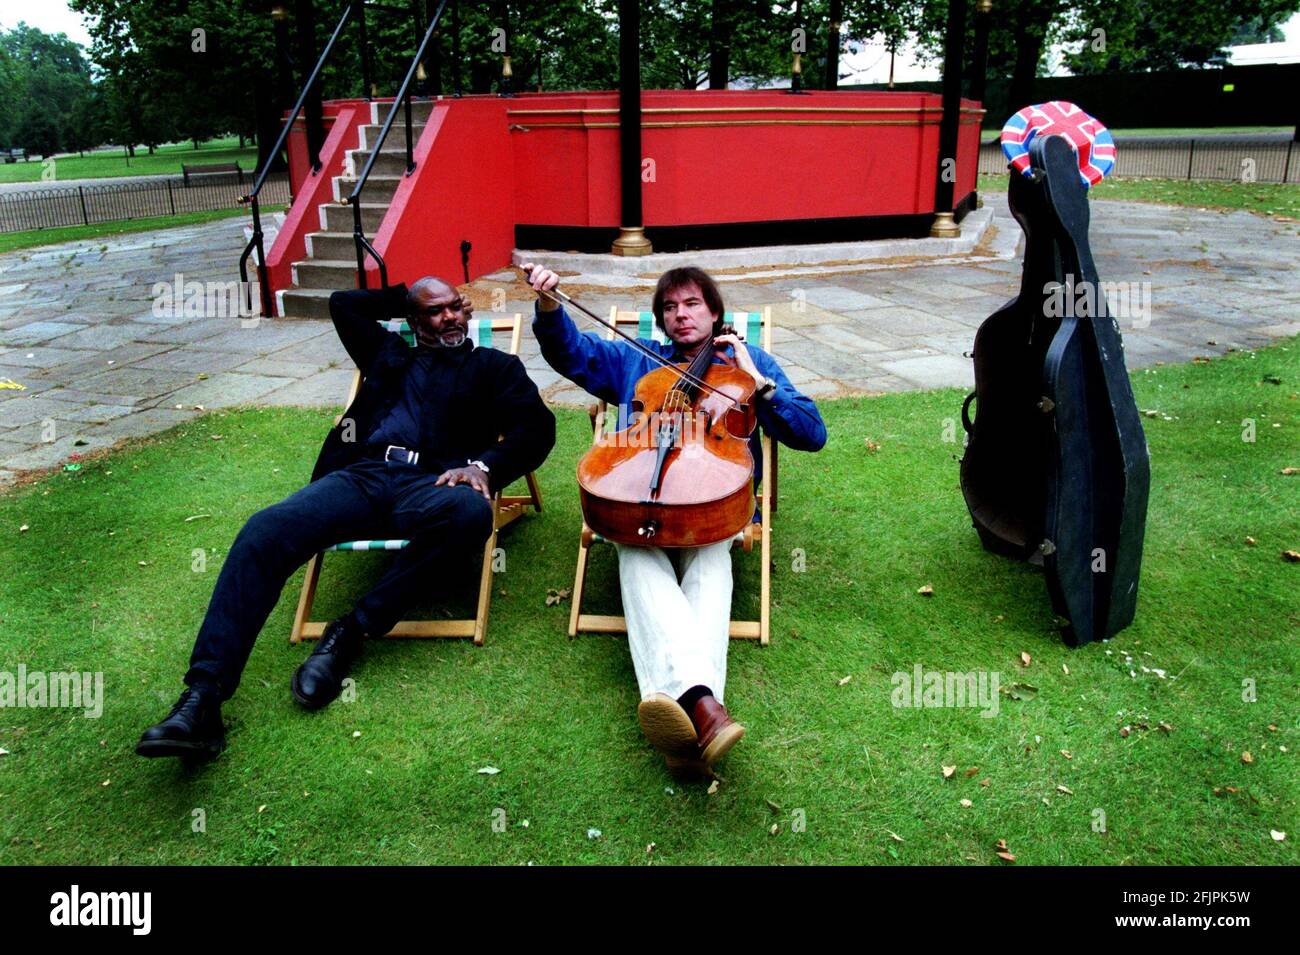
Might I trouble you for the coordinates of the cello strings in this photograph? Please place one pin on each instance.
(556, 294)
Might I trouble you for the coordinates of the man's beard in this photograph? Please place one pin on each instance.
(451, 337)
(448, 337)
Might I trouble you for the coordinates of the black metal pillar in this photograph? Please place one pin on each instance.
(305, 15)
(796, 66)
(455, 48)
(833, 45)
(631, 234)
(945, 225)
(359, 14)
(507, 73)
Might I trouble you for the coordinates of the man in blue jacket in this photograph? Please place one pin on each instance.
(415, 456)
(678, 626)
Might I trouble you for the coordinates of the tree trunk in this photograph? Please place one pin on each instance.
(1031, 27)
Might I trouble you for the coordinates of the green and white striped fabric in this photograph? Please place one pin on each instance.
(370, 545)
(480, 331)
(749, 327)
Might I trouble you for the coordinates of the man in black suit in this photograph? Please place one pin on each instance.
(415, 456)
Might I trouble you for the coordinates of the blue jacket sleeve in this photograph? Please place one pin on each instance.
(589, 361)
(786, 414)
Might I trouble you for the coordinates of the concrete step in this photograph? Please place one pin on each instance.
(396, 141)
(329, 274)
(379, 188)
(338, 218)
(420, 110)
(388, 163)
(331, 245)
(305, 303)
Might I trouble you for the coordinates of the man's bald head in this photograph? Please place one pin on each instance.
(430, 284)
(437, 312)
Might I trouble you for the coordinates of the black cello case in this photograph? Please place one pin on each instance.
(1056, 468)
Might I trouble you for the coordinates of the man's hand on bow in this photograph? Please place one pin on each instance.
(542, 280)
(467, 475)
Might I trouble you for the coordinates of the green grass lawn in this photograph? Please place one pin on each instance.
(103, 580)
(1267, 198)
(114, 162)
(10, 241)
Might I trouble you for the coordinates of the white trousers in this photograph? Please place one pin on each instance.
(677, 630)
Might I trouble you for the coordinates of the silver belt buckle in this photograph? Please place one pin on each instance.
(411, 457)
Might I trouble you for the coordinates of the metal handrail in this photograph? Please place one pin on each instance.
(264, 285)
(403, 96)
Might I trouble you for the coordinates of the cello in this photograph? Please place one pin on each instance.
(681, 473)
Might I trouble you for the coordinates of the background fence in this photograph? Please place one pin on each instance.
(113, 202)
(1238, 158)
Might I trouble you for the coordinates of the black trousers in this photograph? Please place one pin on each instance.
(369, 500)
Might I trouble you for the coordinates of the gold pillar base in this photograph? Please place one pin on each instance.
(631, 241)
(944, 226)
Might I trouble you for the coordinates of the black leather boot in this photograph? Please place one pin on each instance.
(192, 728)
(320, 678)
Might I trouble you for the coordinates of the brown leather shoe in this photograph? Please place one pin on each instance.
(718, 732)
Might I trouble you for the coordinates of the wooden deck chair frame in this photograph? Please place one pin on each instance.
(760, 629)
(506, 509)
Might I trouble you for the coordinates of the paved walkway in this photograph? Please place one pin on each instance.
(78, 329)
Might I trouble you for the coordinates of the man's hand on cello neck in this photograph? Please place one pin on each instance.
(542, 280)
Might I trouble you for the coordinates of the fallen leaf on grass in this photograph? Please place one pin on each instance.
(1277, 836)
(106, 782)
(948, 771)
(972, 771)
(713, 787)
(1291, 556)
(1125, 730)
(23, 529)
(925, 591)
(488, 771)
(966, 803)
(1164, 727)
(774, 830)
(554, 596)
(893, 835)
(846, 680)
(1006, 857)
(1065, 669)
(1289, 471)
(1066, 754)
(872, 446)
(1247, 758)
(594, 833)
(4, 752)
(1025, 659)
(1021, 691)
(261, 808)
(1065, 789)
(985, 783)
(196, 517)
(1250, 541)
(650, 848)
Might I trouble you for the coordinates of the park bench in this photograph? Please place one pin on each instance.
(210, 170)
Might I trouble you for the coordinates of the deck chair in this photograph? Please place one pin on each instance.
(750, 326)
(506, 510)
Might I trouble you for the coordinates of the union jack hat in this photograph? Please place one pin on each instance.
(1091, 140)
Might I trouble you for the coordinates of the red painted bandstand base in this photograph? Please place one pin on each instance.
(719, 168)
